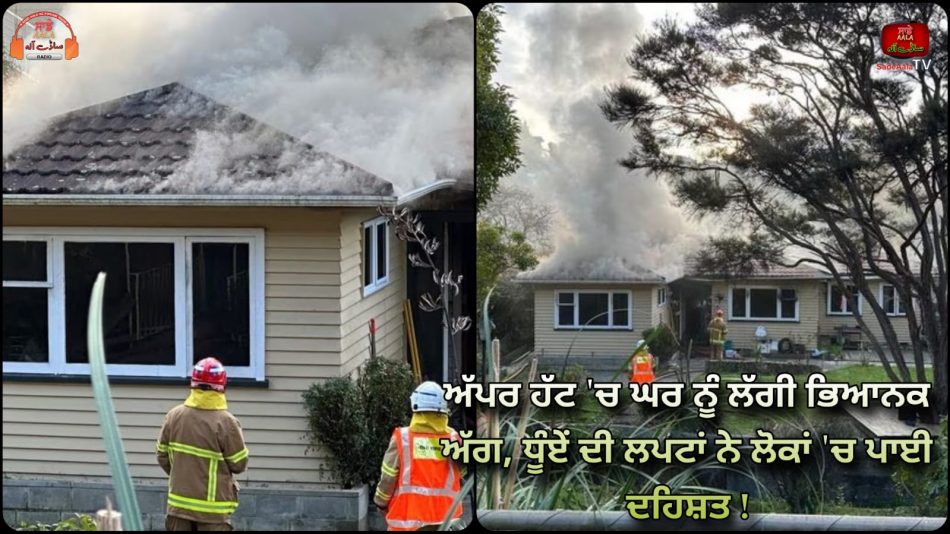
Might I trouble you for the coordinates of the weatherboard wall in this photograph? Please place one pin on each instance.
(314, 319)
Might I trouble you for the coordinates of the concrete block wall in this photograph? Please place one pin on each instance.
(50, 501)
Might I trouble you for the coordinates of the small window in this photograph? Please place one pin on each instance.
(565, 309)
(661, 296)
(621, 309)
(375, 255)
(592, 309)
(26, 289)
(221, 302)
(891, 301)
(738, 302)
(838, 303)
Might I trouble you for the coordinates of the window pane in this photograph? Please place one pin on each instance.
(367, 256)
(839, 302)
(889, 301)
(138, 313)
(565, 298)
(24, 261)
(738, 303)
(593, 308)
(25, 333)
(789, 297)
(620, 309)
(762, 303)
(220, 302)
(565, 315)
(382, 255)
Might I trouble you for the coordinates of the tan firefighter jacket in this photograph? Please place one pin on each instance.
(201, 447)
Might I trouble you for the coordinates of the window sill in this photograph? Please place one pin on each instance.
(143, 380)
(594, 328)
(369, 290)
(762, 320)
(840, 314)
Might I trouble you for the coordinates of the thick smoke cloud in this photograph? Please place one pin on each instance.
(557, 59)
(387, 87)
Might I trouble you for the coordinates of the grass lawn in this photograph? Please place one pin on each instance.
(856, 374)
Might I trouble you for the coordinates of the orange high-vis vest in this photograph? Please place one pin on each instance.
(642, 369)
(427, 483)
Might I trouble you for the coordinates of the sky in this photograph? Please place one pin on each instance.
(557, 59)
(357, 81)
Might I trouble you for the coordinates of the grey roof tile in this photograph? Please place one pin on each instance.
(134, 143)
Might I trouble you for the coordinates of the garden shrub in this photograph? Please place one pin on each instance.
(926, 485)
(353, 421)
(662, 343)
(80, 522)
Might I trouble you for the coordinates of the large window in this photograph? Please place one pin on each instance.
(891, 301)
(172, 297)
(763, 303)
(593, 309)
(838, 303)
(375, 255)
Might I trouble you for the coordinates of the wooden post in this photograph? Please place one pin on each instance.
(108, 519)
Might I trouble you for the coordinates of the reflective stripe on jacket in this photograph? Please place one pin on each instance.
(201, 447)
(426, 481)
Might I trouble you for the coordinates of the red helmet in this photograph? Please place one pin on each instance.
(209, 371)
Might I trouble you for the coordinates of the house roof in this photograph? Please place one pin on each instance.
(772, 271)
(172, 141)
(590, 271)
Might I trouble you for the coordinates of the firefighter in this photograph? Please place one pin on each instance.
(201, 448)
(642, 364)
(418, 485)
(717, 334)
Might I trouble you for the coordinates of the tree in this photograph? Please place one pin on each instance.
(517, 210)
(500, 252)
(496, 126)
(845, 162)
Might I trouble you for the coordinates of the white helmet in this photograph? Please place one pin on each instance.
(428, 397)
(642, 344)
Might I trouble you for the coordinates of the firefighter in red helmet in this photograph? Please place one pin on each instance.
(201, 448)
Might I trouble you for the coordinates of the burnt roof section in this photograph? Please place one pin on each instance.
(591, 270)
(172, 140)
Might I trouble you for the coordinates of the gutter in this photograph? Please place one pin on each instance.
(423, 191)
(550, 520)
(347, 201)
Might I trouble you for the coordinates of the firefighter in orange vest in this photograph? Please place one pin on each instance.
(717, 334)
(418, 485)
(642, 364)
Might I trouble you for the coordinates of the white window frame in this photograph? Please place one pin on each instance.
(181, 239)
(369, 253)
(661, 296)
(610, 310)
(860, 299)
(899, 310)
(778, 304)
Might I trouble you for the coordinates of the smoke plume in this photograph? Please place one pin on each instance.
(557, 59)
(386, 87)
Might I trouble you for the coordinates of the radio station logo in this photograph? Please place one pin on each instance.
(906, 41)
(44, 43)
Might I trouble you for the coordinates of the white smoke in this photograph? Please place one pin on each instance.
(386, 87)
(557, 59)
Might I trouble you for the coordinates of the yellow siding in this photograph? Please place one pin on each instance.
(804, 331)
(315, 328)
(828, 323)
(591, 342)
(385, 304)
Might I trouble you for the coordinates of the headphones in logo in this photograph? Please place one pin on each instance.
(71, 45)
